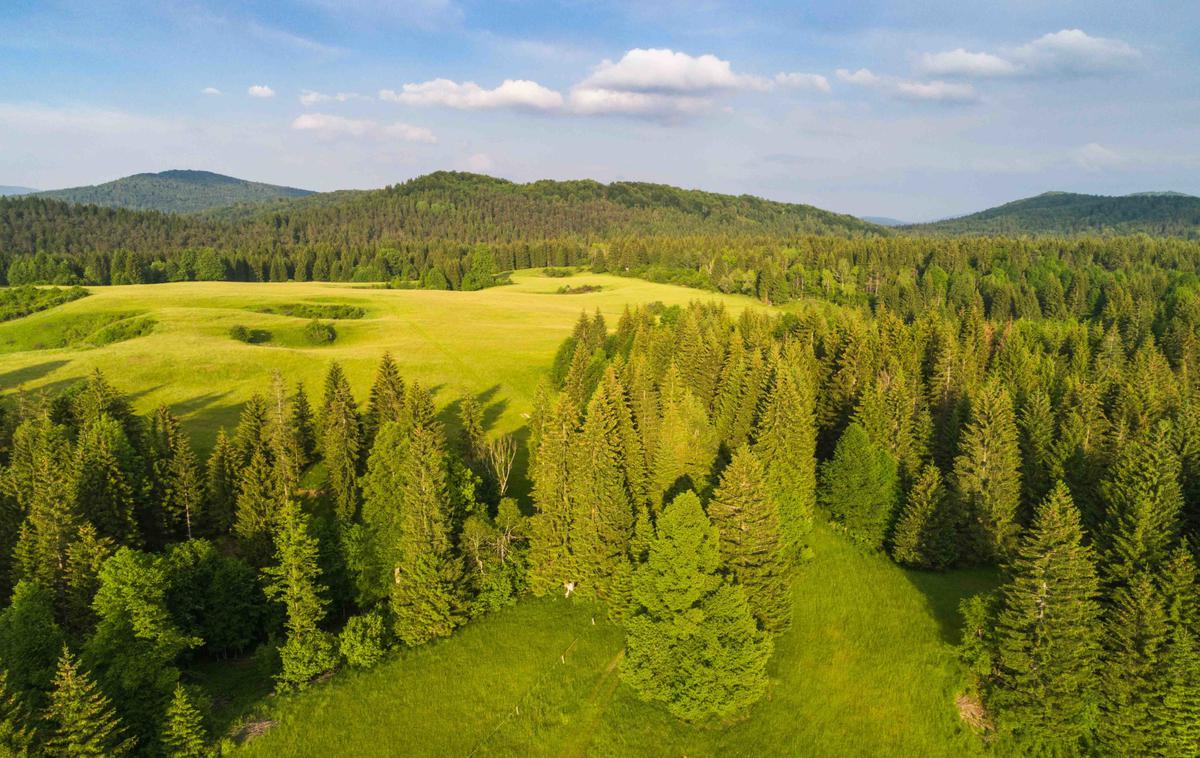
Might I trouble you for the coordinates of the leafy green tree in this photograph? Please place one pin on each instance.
(987, 475)
(364, 640)
(496, 553)
(184, 735)
(691, 642)
(859, 486)
(925, 532)
(751, 540)
(221, 485)
(80, 719)
(295, 581)
(1048, 633)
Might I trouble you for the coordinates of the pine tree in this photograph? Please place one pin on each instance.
(786, 443)
(45, 483)
(751, 540)
(687, 444)
(341, 444)
(377, 553)
(1048, 633)
(85, 556)
(1036, 421)
(860, 488)
(184, 735)
(295, 581)
(303, 424)
(30, 641)
(221, 486)
(691, 641)
(987, 475)
(1136, 636)
(104, 482)
(17, 727)
(257, 505)
(550, 562)
(183, 498)
(924, 536)
(387, 400)
(251, 433)
(80, 719)
(425, 594)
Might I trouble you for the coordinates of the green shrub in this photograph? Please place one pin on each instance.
(249, 336)
(17, 302)
(239, 333)
(557, 272)
(335, 311)
(319, 333)
(364, 640)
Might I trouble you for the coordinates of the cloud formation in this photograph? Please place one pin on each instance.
(330, 126)
(964, 63)
(803, 81)
(260, 90)
(659, 70)
(1070, 52)
(519, 94)
(309, 98)
(210, 91)
(935, 91)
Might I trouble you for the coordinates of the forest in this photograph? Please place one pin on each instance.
(1026, 405)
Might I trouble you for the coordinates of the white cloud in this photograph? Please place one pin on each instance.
(330, 126)
(660, 70)
(964, 63)
(210, 91)
(1096, 157)
(590, 101)
(519, 94)
(862, 77)
(1073, 52)
(260, 90)
(803, 81)
(309, 98)
(908, 89)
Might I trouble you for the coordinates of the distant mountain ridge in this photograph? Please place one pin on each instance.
(9, 190)
(175, 191)
(1171, 214)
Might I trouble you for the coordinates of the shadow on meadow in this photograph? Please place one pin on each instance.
(944, 591)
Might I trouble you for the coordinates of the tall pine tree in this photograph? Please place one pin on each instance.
(987, 475)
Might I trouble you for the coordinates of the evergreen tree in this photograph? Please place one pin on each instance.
(377, 550)
(30, 641)
(859, 486)
(85, 557)
(341, 441)
(550, 563)
(45, 482)
(221, 486)
(17, 732)
(1136, 636)
(1048, 633)
(751, 540)
(184, 735)
(105, 484)
(691, 641)
(295, 581)
(257, 505)
(251, 433)
(80, 719)
(987, 475)
(302, 424)
(387, 399)
(687, 444)
(924, 536)
(183, 497)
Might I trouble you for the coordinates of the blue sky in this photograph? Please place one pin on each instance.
(915, 110)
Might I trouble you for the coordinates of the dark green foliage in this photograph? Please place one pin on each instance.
(175, 191)
(184, 735)
(550, 562)
(987, 476)
(257, 506)
(303, 424)
(86, 555)
(925, 535)
(1048, 634)
(341, 443)
(30, 643)
(859, 486)
(80, 720)
(692, 643)
(250, 336)
(106, 479)
(319, 332)
(751, 540)
(1136, 645)
(221, 485)
(311, 311)
(18, 302)
(213, 597)
(44, 490)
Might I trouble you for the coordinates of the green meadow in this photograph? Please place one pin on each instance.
(866, 668)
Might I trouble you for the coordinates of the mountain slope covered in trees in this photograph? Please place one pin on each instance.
(176, 191)
(1062, 213)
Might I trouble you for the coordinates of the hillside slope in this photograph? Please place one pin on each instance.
(1158, 213)
(177, 191)
(9, 190)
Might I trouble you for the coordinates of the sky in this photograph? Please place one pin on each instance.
(903, 108)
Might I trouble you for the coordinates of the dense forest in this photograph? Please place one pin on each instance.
(1032, 406)
(177, 191)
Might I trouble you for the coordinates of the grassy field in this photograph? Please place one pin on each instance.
(866, 669)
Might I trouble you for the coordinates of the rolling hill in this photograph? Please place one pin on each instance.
(1170, 214)
(177, 191)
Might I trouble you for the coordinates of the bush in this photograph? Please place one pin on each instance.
(249, 336)
(363, 641)
(557, 272)
(319, 333)
(240, 333)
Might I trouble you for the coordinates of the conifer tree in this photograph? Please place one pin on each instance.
(184, 735)
(17, 727)
(687, 444)
(341, 444)
(183, 497)
(1048, 633)
(302, 423)
(550, 562)
(85, 557)
(387, 399)
(382, 513)
(786, 443)
(425, 594)
(251, 433)
(30, 641)
(421, 411)
(891, 412)
(751, 540)
(104, 481)
(1177, 716)
(257, 506)
(295, 581)
(1136, 636)
(691, 641)
(221, 486)
(287, 457)
(613, 396)
(1036, 422)
(80, 719)
(860, 488)
(925, 534)
(47, 493)
(987, 475)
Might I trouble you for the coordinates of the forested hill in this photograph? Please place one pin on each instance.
(1064, 213)
(175, 192)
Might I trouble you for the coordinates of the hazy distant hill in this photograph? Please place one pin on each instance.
(175, 192)
(1159, 213)
(883, 221)
(6, 190)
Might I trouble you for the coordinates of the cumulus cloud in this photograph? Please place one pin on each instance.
(330, 126)
(935, 91)
(260, 90)
(589, 101)
(1070, 52)
(659, 70)
(862, 77)
(309, 98)
(803, 81)
(210, 91)
(964, 63)
(519, 94)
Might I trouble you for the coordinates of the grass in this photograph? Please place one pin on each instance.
(866, 669)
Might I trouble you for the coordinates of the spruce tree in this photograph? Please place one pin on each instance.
(251, 433)
(295, 581)
(105, 483)
(786, 443)
(925, 536)
(691, 641)
(80, 719)
(85, 557)
(303, 424)
(751, 540)
(386, 401)
(184, 735)
(341, 444)
(550, 562)
(287, 456)
(987, 476)
(183, 498)
(860, 487)
(1132, 681)
(30, 642)
(1048, 633)
(687, 444)
(257, 506)
(221, 486)
(377, 550)
(17, 726)
(45, 482)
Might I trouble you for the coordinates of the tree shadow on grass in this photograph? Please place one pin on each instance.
(944, 591)
(14, 379)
